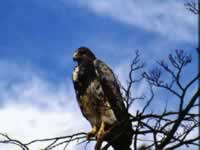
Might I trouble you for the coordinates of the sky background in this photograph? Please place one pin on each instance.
(37, 41)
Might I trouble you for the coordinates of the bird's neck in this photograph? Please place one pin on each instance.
(87, 71)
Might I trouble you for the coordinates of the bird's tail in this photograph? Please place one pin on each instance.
(122, 144)
(124, 139)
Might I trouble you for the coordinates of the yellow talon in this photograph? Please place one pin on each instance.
(101, 131)
(92, 133)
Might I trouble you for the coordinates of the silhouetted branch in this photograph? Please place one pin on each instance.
(54, 142)
(134, 66)
(167, 129)
(192, 6)
(164, 125)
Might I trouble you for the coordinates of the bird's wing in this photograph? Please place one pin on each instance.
(111, 88)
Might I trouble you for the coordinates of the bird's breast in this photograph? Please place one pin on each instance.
(75, 74)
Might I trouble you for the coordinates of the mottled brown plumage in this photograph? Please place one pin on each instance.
(99, 97)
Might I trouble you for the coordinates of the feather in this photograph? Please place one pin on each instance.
(99, 97)
(111, 88)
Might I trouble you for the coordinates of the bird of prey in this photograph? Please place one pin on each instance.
(99, 97)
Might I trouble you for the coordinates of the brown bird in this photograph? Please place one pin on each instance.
(99, 97)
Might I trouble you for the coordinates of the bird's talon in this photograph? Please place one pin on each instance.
(101, 131)
(99, 135)
(92, 133)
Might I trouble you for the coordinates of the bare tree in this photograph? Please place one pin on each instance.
(167, 129)
(170, 129)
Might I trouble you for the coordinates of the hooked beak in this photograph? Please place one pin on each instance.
(75, 56)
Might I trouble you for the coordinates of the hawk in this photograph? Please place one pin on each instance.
(99, 97)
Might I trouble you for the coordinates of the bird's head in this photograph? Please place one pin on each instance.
(83, 54)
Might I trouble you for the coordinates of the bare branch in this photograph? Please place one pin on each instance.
(168, 129)
(192, 6)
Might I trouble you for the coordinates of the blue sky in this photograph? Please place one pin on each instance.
(38, 39)
(45, 34)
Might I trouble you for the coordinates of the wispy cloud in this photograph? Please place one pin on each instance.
(170, 19)
(36, 108)
(32, 106)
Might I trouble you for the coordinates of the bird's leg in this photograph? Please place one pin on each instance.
(101, 130)
(92, 133)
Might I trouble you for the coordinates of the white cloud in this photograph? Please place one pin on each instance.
(167, 18)
(36, 108)
(33, 107)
